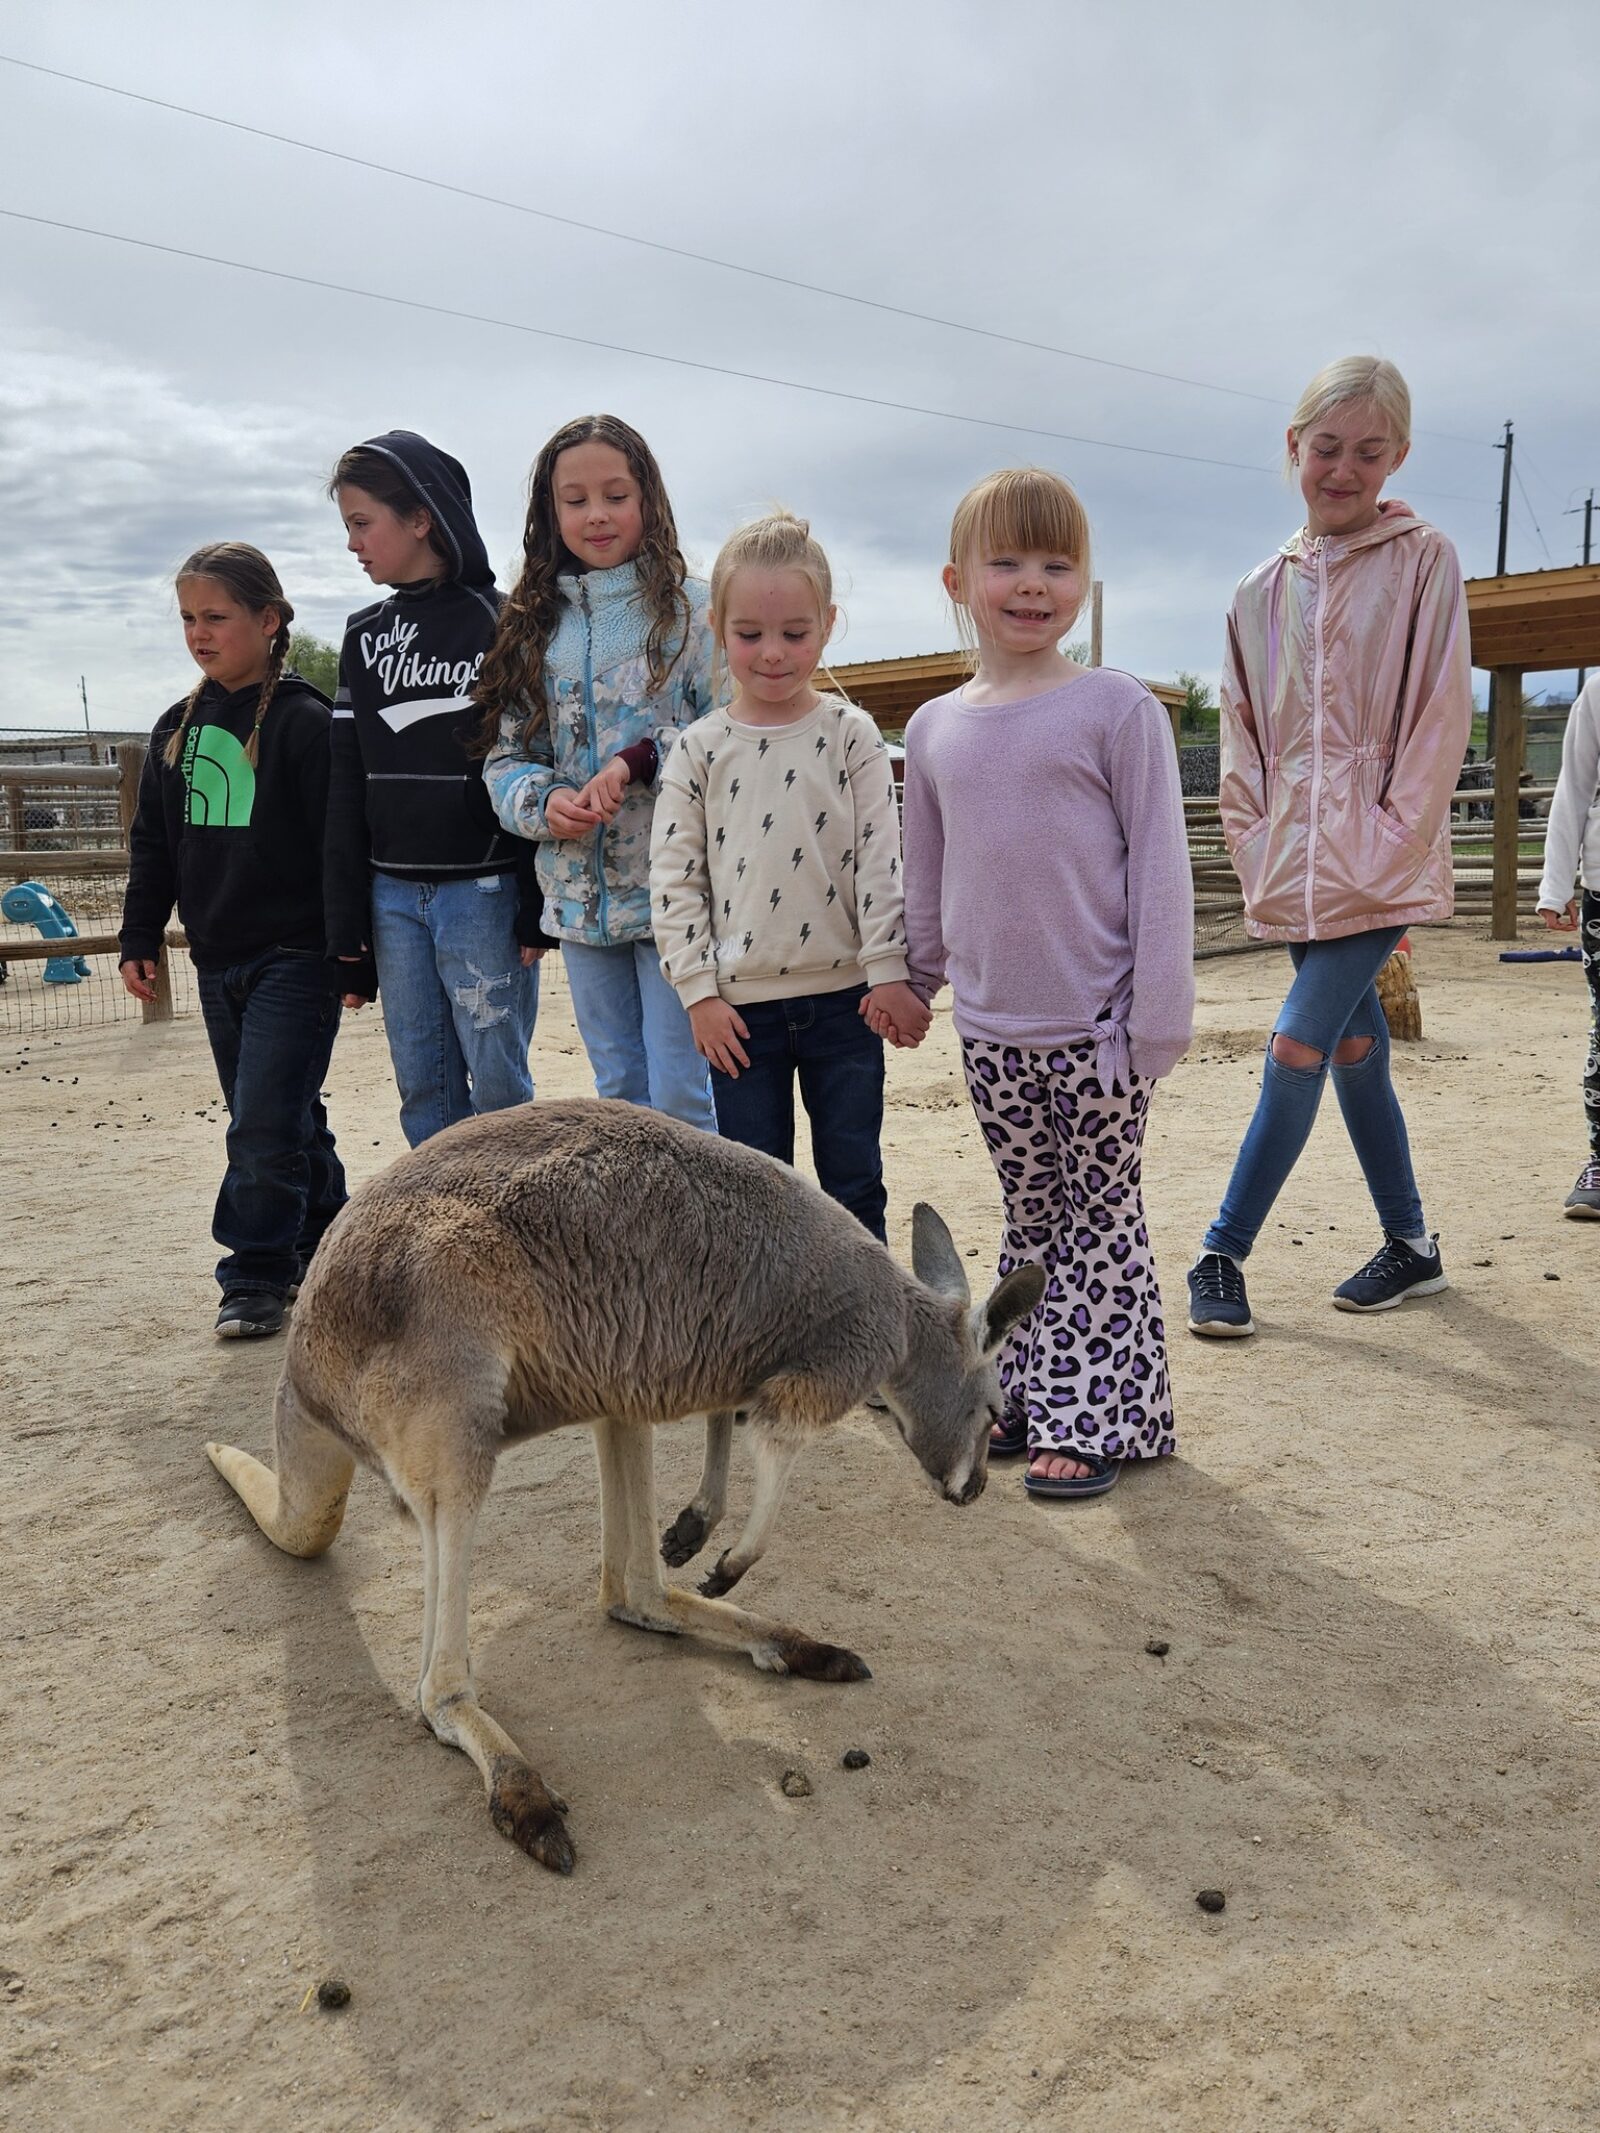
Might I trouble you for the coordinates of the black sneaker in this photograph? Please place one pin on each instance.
(250, 1315)
(1390, 1276)
(1583, 1202)
(1218, 1306)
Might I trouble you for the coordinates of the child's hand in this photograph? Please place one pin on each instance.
(895, 1013)
(530, 956)
(603, 793)
(355, 999)
(717, 1031)
(1557, 921)
(567, 813)
(138, 975)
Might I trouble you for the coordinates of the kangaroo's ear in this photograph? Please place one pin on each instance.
(934, 1258)
(1008, 1304)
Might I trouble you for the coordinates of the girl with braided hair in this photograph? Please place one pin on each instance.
(602, 656)
(229, 828)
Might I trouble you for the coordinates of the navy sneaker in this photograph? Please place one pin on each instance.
(1583, 1202)
(1218, 1306)
(250, 1315)
(1390, 1276)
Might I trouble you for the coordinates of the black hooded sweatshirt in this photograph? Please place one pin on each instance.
(238, 849)
(404, 795)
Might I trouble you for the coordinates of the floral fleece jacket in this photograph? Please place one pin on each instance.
(599, 703)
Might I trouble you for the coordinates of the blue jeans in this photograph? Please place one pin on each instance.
(821, 1039)
(1333, 996)
(635, 1031)
(458, 1007)
(272, 1022)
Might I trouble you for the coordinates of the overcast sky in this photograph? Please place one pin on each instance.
(1232, 193)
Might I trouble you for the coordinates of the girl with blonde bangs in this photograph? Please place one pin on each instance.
(1025, 509)
(1346, 705)
(1047, 877)
(775, 878)
(602, 656)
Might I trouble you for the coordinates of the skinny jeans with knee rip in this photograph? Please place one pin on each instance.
(1334, 996)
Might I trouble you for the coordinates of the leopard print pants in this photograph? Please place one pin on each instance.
(1089, 1365)
(1589, 938)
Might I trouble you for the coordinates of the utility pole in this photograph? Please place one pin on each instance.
(1505, 504)
(1587, 508)
(1500, 570)
(83, 691)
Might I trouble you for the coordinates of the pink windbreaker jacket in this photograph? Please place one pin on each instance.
(1346, 707)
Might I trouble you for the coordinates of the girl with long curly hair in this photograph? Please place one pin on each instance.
(602, 654)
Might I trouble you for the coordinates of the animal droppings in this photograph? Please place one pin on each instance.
(1211, 1900)
(855, 1759)
(795, 1785)
(1158, 1647)
(333, 1992)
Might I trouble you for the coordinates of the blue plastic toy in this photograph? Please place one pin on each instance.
(29, 903)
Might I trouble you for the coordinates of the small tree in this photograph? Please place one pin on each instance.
(317, 662)
(1199, 705)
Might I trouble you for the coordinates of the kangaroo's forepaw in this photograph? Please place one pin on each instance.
(812, 1661)
(685, 1537)
(720, 1578)
(522, 1809)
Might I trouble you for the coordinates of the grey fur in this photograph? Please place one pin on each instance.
(596, 1263)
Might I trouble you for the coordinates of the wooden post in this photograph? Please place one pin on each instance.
(1096, 606)
(1510, 738)
(130, 767)
(19, 824)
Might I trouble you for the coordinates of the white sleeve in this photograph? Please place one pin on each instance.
(1574, 801)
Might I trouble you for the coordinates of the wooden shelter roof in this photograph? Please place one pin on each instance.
(891, 689)
(1536, 619)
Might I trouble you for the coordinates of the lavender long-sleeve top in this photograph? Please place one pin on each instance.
(1047, 871)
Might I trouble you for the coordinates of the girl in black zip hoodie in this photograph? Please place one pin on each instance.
(416, 864)
(229, 827)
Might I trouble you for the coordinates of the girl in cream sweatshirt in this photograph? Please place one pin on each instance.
(775, 884)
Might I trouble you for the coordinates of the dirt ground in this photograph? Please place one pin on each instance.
(1375, 1729)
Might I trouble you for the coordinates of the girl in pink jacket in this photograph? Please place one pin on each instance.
(1346, 705)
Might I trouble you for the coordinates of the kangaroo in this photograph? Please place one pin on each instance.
(596, 1263)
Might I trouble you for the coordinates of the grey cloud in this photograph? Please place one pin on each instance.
(1235, 193)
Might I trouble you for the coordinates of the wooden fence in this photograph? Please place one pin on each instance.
(1497, 852)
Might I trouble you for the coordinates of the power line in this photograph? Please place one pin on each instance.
(674, 251)
(649, 355)
(1528, 504)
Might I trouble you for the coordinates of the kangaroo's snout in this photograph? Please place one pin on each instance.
(964, 1485)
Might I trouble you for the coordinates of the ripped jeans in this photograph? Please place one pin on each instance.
(1334, 995)
(458, 1007)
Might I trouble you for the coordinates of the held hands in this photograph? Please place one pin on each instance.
(579, 814)
(1557, 921)
(138, 975)
(717, 1030)
(894, 1013)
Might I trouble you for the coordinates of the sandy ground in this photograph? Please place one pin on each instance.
(1374, 1563)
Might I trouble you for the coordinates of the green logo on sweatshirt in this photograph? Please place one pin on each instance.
(220, 777)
